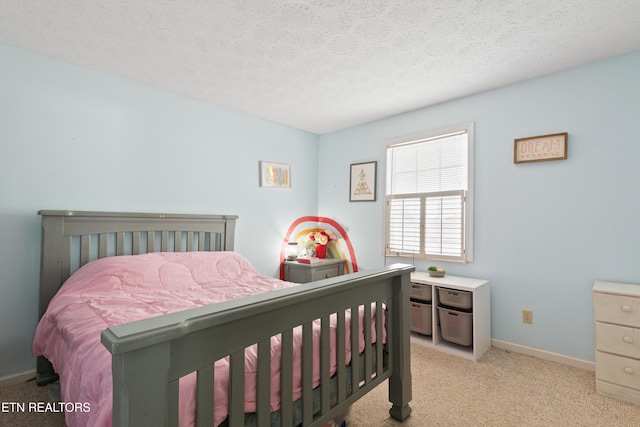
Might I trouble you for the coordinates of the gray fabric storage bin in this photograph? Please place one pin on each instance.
(456, 326)
(455, 298)
(421, 317)
(420, 292)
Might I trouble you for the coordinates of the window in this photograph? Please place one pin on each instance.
(429, 195)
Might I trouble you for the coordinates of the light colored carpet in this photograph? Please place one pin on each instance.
(502, 389)
(23, 394)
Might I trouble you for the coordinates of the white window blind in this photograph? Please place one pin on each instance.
(437, 164)
(427, 186)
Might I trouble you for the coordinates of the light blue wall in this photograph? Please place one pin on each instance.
(544, 232)
(72, 138)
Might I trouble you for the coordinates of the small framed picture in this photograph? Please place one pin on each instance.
(275, 175)
(363, 182)
(540, 148)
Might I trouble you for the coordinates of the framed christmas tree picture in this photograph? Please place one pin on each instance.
(363, 182)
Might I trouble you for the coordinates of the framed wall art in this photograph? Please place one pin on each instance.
(540, 148)
(275, 175)
(363, 182)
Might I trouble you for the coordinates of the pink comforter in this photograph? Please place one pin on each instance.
(117, 290)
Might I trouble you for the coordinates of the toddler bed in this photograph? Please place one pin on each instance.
(179, 351)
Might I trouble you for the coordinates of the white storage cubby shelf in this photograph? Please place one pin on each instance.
(422, 284)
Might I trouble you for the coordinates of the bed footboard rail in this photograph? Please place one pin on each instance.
(150, 356)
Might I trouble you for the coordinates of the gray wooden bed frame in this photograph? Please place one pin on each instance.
(150, 355)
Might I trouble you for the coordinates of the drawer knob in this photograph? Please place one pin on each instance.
(626, 308)
(628, 339)
(628, 371)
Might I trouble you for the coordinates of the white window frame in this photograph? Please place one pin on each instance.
(466, 196)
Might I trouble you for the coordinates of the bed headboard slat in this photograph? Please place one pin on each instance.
(201, 241)
(135, 248)
(84, 249)
(189, 241)
(164, 246)
(66, 258)
(103, 239)
(119, 243)
(151, 239)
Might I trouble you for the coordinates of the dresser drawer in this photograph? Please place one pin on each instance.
(619, 309)
(617, 339)
(325, 273)
(300, 272)
(618, 370)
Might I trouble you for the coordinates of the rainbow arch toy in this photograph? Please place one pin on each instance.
(341, 249)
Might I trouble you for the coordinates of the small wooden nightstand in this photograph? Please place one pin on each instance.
(298, 272)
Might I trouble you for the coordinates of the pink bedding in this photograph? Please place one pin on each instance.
(117, 290)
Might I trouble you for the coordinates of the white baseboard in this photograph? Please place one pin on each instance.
(17, 378)
(546, 355)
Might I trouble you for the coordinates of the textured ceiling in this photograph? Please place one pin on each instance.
(323, 65)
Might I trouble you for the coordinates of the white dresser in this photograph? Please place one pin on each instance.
(617, 336)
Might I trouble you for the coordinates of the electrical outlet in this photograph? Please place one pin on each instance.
(527, 316)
